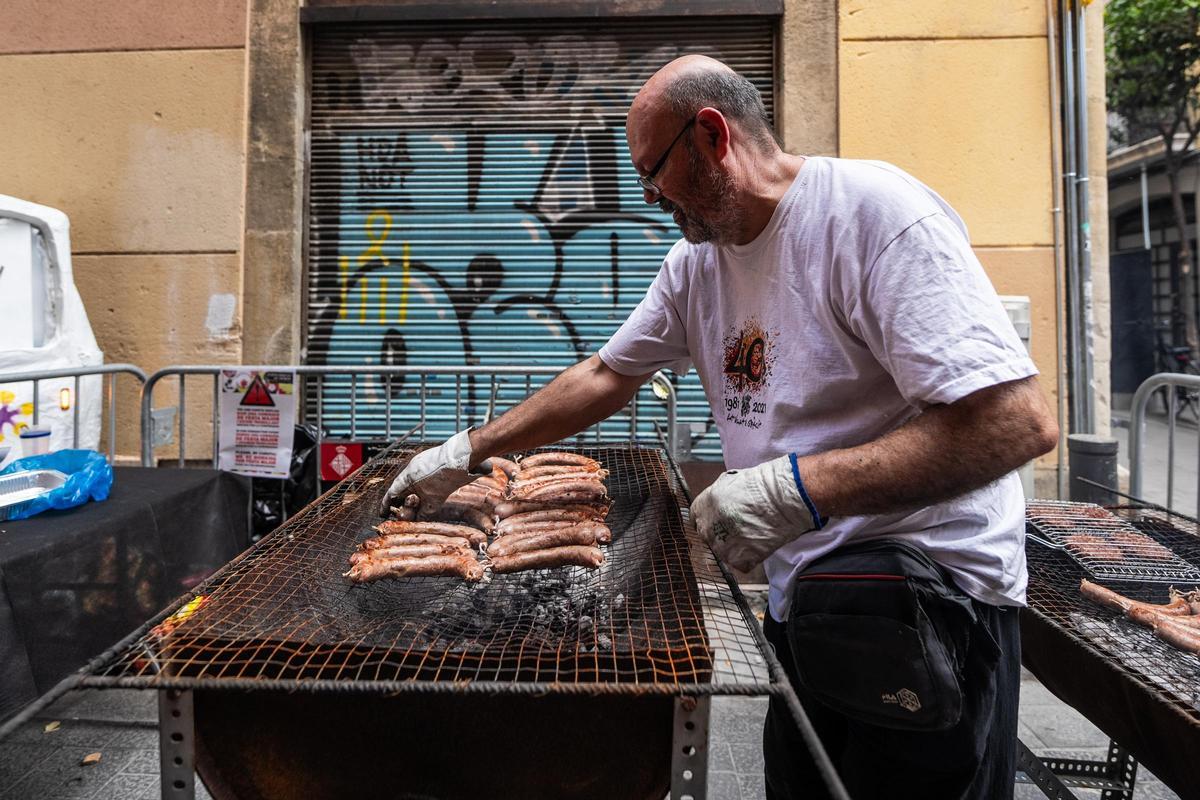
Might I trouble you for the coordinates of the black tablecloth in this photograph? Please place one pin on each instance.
(74, 582)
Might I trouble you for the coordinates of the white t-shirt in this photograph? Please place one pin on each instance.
(859, 304)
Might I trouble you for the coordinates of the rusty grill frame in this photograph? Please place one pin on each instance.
(726, 655)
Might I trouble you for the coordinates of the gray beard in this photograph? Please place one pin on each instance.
(719, 220)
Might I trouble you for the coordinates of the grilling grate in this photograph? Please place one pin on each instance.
(1106, 546)
(656, 615)
(1054, 578)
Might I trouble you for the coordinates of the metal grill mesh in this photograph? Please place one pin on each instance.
(658, 613)
(1106, 546)
(1054, 578)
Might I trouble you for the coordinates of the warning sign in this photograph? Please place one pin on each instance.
(258, 411)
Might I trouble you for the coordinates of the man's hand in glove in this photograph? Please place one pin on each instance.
(434, 474)
(747, 514)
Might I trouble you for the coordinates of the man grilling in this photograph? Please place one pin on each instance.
(873, 402)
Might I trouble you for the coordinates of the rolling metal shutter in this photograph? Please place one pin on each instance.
(471, 199)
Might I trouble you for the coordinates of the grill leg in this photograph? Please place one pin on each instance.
(1041, 775)
(176, 745)
(689, 749)
(1122, 769)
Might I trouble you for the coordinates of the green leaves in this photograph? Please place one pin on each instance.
(1152, 49)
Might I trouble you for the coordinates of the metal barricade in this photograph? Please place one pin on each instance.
(378, 402)
(1174, 384)
(76, 373)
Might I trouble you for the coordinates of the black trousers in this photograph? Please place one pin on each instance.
(975, 759)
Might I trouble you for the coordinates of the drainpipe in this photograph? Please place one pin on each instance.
(1145, 210)
(1076, 226)
(1056, 231)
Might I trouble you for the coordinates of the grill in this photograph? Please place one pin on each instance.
(1119, 550)
(1141, 691)
(383, 681)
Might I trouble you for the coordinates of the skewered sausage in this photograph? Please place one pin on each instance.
(513, 507)
(542, 459)
(392, 526)
(464, 567)
(1119, 602)
(567, 491)
(566, 514)
(578, 555)
(558, 537)
(410, 551)
(552, 469)
(523, 488)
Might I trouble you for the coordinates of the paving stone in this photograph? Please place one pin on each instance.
(143, 762)
(724, 786)
(1065, 727)
(752, 786)
(130, 787)
(134, 736)
(18, 759)
(112, 705)
(747, 758)
(1034, 695)
(63, 776)
(720, 759)
(1029, 736)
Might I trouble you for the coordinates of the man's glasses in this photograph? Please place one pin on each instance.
(647, 181)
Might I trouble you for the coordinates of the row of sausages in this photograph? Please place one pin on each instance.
(546, 511)
(1176, 623)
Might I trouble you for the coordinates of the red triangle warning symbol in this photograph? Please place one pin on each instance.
(257, 394)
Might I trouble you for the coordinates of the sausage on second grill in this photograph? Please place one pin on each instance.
(527, 473)
(1119, 602)
(464, 567)
(1170, 629)
(565, 514)
(577, 555)
(564, 490)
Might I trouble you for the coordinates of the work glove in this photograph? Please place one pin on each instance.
(747, 514)
(432, 475)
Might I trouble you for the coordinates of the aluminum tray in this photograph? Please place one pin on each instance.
(20, 488)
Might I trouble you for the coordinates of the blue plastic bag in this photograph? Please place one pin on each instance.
(89, 476)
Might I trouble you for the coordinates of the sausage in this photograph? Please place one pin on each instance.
(464, 567)
(1169, 629)
(522, 487)
(488, 482)
(410, 539)
(484, 500)
(391, 526)
(411, 551)
(552, 469)
(1139, 545)
(542, 459)
(577, 555)
(511, 508)
(567, 514)
(408, 510)
(601, 534)
(1119, 602)
(558, 537)
(504, 465)
(470, 514)
(1085, 545)
(567, 491)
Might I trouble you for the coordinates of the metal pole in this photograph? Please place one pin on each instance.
(75, 417)
(216, 421)
(1084, 225)
(182, 416)
(112, 417)
(36, 402)
(1056, 160)
(1071, 217)
(1145, 210)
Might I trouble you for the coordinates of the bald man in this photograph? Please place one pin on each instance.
(873, 402)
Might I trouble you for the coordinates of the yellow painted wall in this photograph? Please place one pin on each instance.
(958, 94)
(130, 119)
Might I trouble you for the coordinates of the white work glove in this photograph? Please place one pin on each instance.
(432, 475)
(747, 514)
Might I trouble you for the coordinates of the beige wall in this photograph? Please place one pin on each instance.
(129, 117)
(958, 94)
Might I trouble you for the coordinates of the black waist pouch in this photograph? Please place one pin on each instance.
(880, 634)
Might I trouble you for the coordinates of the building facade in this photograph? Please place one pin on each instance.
(256, 181)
